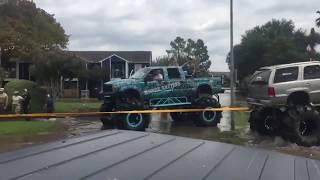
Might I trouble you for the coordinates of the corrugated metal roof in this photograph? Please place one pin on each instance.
(137, 155)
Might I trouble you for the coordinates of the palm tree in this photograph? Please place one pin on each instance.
(318, 20)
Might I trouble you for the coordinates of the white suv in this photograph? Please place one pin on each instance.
(282, 100)
(296, 83)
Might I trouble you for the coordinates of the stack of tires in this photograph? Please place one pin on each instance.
(299, 123)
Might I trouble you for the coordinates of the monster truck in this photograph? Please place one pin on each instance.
(159, 88)
(283, 100)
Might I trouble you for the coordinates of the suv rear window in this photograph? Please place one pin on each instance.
(286, 74)
(312, 72)
(264, 74)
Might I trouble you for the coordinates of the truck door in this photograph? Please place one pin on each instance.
(153, 83)
(173, 83)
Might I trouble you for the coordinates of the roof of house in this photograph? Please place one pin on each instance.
(131, 56)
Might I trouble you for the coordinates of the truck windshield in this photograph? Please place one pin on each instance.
(140, 73)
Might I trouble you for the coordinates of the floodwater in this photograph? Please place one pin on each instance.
(13, 143)
(162, 123)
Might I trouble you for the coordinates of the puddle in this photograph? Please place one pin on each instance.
(13, 143)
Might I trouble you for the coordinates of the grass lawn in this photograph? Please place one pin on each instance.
(77, 105)
(27, 128)
(237, 136)
(19, 134)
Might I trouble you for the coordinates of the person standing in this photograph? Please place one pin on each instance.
(16, 102)
(158, 76)
(3, 101)
(50, 104)
(26, 102)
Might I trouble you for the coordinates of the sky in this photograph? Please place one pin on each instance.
(150, 25)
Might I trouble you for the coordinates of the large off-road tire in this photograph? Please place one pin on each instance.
(265, 121)
(305, 127)
(107, 120)
(207, 118)
(132, 121)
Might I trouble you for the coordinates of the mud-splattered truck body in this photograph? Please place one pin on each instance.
(174, 90)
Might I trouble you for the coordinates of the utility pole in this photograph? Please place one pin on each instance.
(232, 96)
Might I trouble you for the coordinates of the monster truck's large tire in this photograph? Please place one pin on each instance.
(265, 121)
(132, 121)
(207, 118)
(306, 128)
(107, 120)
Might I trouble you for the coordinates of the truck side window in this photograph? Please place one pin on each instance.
(312, 72)
(174, 73)
(155, 74)
(286, 74)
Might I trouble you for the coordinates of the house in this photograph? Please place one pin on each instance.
(116, 64)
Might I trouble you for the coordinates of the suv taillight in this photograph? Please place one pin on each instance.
(271, 92)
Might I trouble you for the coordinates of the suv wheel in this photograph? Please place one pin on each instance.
(132, 121)
(265, 121)
(306, 128)
(207, 118)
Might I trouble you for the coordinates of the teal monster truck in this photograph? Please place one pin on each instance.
(160, 88)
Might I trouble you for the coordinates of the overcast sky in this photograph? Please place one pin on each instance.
(152, 24)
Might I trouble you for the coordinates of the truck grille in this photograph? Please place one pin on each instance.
(107, 88)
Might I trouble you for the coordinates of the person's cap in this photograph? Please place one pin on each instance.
(1, 89)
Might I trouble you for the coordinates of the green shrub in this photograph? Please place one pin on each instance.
(38, 95)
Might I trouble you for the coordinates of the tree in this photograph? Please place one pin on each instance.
(276, 42)
(313, 40)
(195, 53)
(318, 19)
(57, 66)
(177, 49)
(27, 31)
(163, 61)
